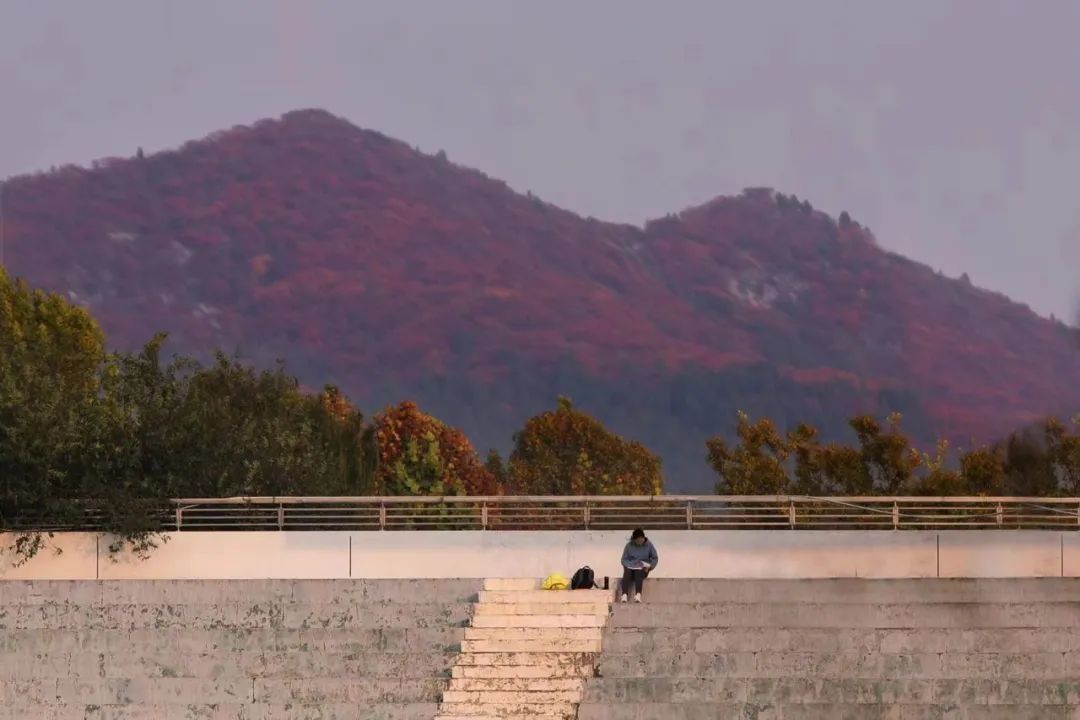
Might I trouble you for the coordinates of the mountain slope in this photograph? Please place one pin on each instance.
(396, 274)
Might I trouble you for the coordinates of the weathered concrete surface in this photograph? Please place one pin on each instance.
(930, 649)
(518, 661)
(254, 650)
(479, 554)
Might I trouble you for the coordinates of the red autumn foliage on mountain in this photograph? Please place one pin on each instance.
(398, 275)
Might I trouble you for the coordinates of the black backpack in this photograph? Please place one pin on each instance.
(583, 579)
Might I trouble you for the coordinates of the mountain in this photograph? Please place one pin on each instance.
(394, 274)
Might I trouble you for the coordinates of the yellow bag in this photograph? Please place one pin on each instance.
(556, 581)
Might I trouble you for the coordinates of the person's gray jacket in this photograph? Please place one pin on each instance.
(633, 553)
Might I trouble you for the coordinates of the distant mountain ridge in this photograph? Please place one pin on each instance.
(396, 274)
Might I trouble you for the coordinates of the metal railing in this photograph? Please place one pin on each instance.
(661, 512)
(669, 512)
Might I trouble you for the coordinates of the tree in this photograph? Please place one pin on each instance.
(131, 463)
(50, 354)
(754, 466)
(498, 469)
(1029, 470)
(247, 432)
(346, 439)
(421, 455)
(1063, 449)
(887, 454)
(983, 471)
(567, 452)
(831, 469)
(937, 478)
(766, 462)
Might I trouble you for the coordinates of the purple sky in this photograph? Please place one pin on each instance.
(951, 128)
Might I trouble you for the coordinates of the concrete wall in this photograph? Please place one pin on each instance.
(211, 650)
(842, 649)
(468, 554)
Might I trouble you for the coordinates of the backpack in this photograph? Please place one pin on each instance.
(583, 579)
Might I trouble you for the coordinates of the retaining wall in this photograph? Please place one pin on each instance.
(211, 650)
(478, 554)
(842, 649)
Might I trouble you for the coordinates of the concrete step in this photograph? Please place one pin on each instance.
(545, 684)
(539, 621)
(524, 672)
(817, 639)
(533, 633)
(495, 717)
(26, 709)
(856, 590)
(523, 658)
(545, 596)
(839, 691)
(511, 697)
(512, 583)
(442, 716)
(794, 711)
(824, 711)
(569, 607)
(853, 665)
(848, 615)
(530, 646)
(507, 710)
(498, 717)
(198, 591)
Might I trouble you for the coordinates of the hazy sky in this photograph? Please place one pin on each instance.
(951, 128)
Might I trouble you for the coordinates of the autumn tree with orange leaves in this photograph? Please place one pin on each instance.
(567, 452)
(420, 455)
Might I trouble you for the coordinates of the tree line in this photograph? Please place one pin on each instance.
(1042, 460)
(89, 436)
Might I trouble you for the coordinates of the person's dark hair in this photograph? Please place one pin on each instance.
(638, 533)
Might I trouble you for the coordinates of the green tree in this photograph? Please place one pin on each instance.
(247, 432)
(937, 477)
(1029, 469)
(764, 461)
(1063, 450)
(50, 354)
(757, 464)
(567, 452)
(983, 471)
(887, 454)
(821, 470)
(497, 467)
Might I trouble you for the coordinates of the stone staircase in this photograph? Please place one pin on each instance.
(842, 649)
(527, 652)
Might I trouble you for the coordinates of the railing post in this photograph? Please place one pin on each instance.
(791, 513)
(483, 516)
(689, 514)
(895, 515)
(382, 516)
(1000, 515)
(179, 517)
(281, 517)
(586, 514)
